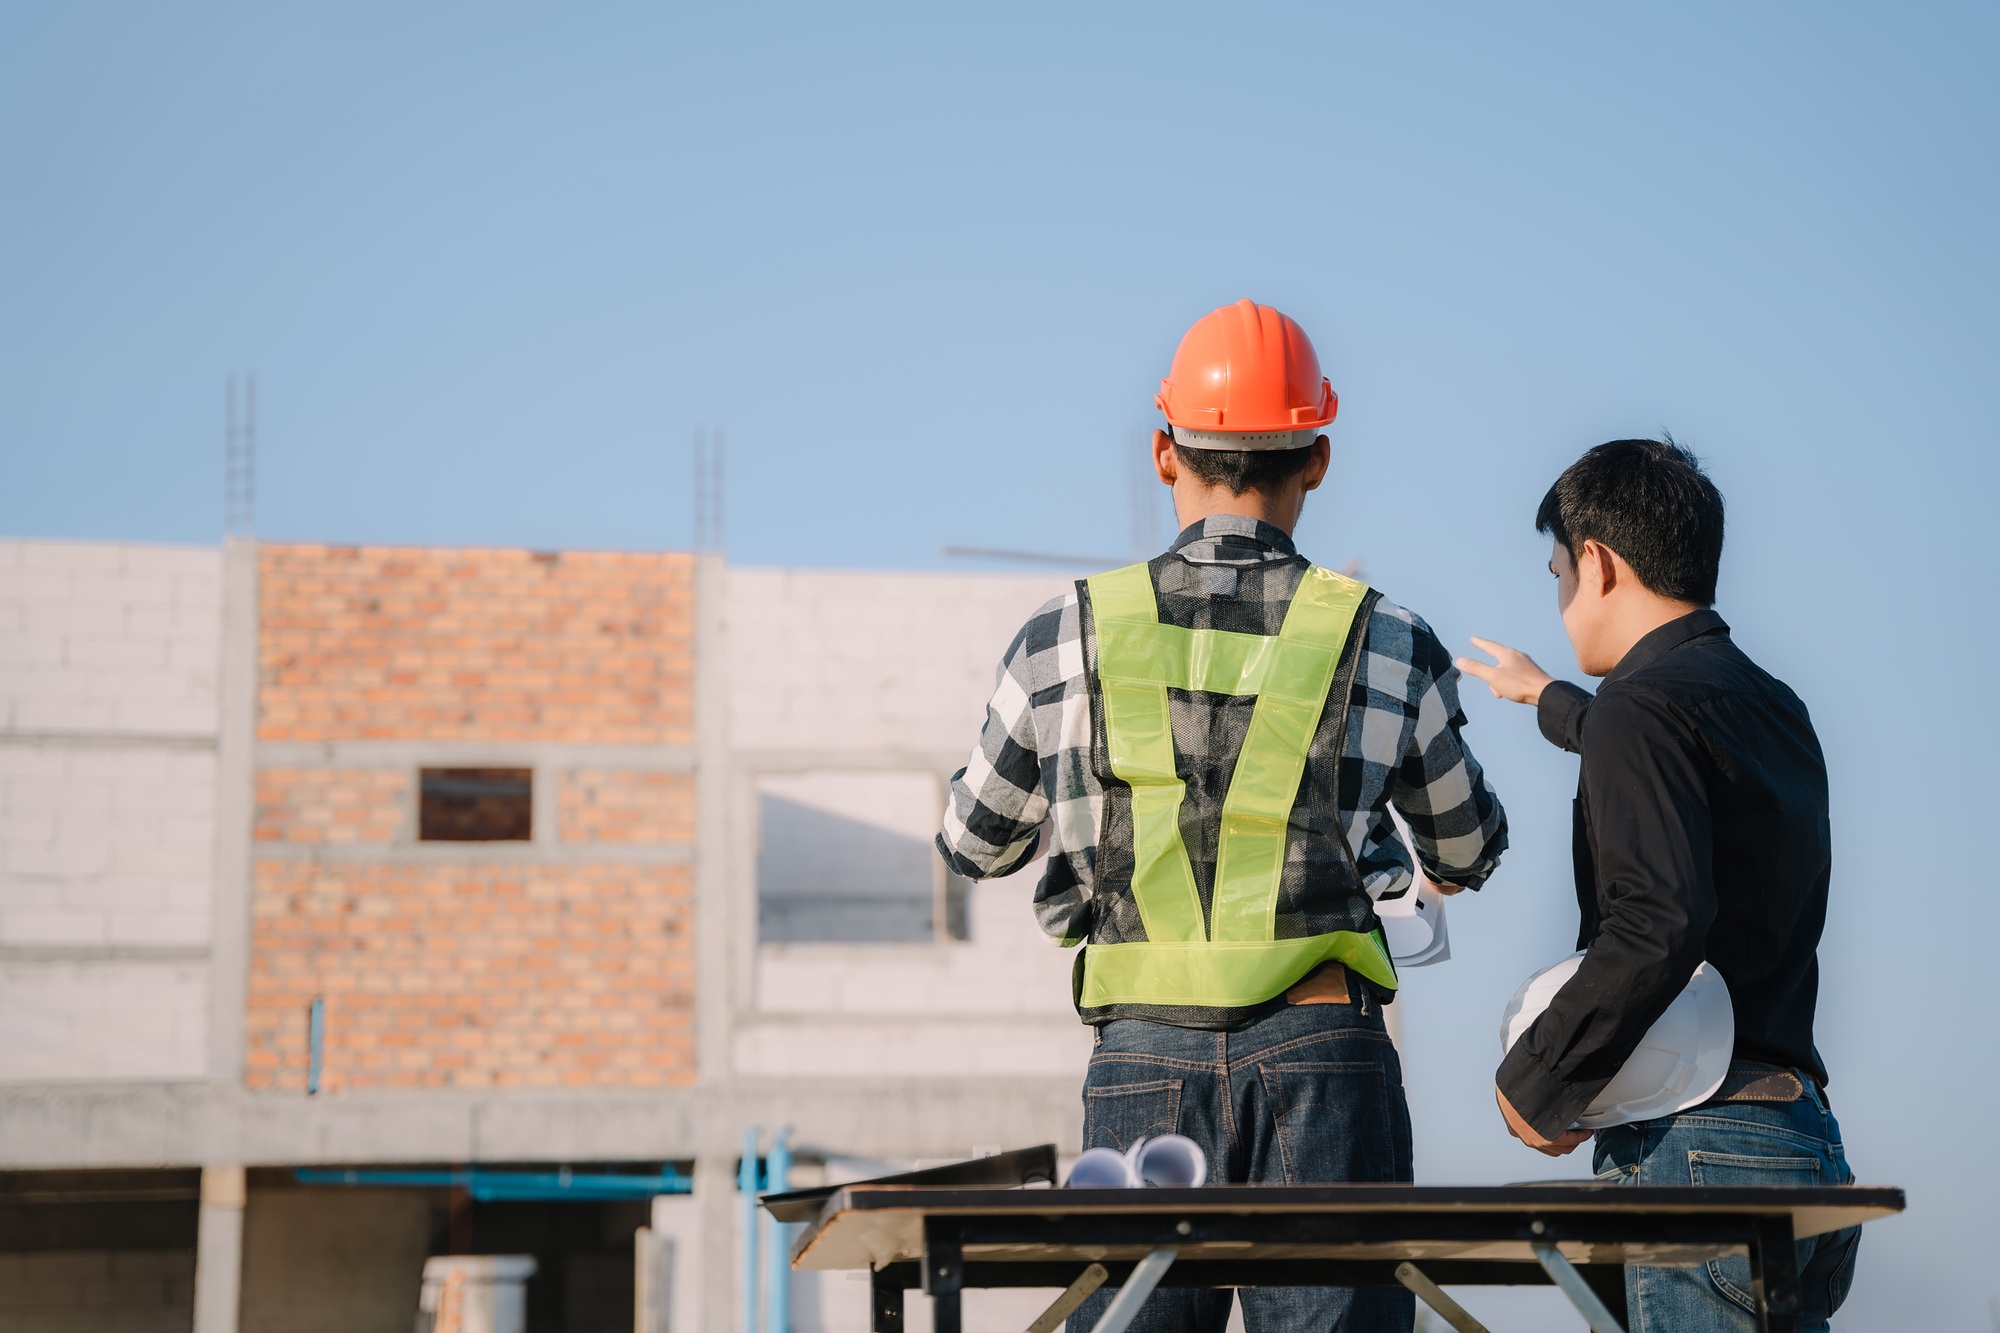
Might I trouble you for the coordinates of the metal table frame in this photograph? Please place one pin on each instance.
(1039, 1238)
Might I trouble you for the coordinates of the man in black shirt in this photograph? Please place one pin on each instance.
(1701, 833)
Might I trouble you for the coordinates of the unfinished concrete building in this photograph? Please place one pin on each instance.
(359, 905)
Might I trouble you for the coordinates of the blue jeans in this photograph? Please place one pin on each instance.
(1309, 1094)
(1743, 1143)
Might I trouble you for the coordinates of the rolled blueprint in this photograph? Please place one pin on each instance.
(1101, 1169)
(1171, 1161)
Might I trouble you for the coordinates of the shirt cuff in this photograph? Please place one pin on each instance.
(1538, 1095)
(1560, 715)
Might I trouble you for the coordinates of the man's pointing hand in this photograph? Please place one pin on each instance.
(1513, 675)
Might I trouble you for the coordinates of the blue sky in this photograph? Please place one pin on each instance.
(494, 264)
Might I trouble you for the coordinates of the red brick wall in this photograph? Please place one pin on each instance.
(331, 805)
(449, 969)
(511, 975)
(624, 805)
(490, 645)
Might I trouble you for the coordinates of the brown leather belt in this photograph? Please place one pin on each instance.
(1749, 1081)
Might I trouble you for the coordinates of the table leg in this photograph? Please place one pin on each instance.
(1774, 1274)
(1563, 1273)
(1124, 1307)
(1434, 1296)
(1065, 1305)
(944, 1274)
(886, 1307)
(1608, 1281)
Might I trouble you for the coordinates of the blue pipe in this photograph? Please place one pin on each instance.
(778, 1307)
(315, 1043)
(513, 1186)
(746, 1185)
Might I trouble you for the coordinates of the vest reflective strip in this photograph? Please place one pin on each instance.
(1225, 974)
(1140, 738)
(1250, 857)
(1139, 659)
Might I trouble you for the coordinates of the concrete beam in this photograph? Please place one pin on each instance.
(474, 754)
(536, 852)
(192, 1124)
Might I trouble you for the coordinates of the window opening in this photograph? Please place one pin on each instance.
(476, 805)
(845, 856)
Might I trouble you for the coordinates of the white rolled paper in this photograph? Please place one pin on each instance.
(1171, 1161)
(1101, 1169)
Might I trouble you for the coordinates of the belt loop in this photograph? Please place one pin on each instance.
(1363, 987)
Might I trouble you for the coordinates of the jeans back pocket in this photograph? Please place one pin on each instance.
(1334, 1122)
(1731, 1276)
(1118, 1115)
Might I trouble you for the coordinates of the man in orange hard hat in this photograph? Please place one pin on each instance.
(1212, 742)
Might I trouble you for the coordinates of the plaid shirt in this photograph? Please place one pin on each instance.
(1031, 777)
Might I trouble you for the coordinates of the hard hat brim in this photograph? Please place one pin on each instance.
(1243, 441)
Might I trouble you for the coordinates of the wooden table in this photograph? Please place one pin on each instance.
(943, 1239)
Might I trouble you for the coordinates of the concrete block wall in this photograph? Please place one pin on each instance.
(109, 659)
(867, 662)
(97, 1291)
(829, 671)
(105, 637)
(565, 961)
(333, 1261)
(105, 844)
(92, 1018)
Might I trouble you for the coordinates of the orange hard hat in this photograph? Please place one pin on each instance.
(1246, 377)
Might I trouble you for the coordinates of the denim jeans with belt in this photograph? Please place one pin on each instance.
(1737, 1143)
(1309, 1094)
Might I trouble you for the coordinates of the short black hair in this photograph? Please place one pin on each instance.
(1649, 501)
(1244, 469)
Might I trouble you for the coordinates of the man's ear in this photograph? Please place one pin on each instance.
(1597, 567)
(1166, 465)
(1322, 458)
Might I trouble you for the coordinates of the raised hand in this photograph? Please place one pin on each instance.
(1512, 675)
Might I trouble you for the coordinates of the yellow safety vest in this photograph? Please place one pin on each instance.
(1233, 960)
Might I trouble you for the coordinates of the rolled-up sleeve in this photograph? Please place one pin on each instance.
(1456, 821)
(992, 822)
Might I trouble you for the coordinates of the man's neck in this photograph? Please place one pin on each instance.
(1644, 616)
(1192, 505)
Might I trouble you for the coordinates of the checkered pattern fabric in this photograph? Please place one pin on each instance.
(1033, 779)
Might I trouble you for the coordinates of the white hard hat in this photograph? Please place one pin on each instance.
(1679, 1063)
(1413, 920)
(1413, 924)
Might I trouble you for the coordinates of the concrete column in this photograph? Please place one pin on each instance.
(235, 813)
(218, 1261)
(714, 994)
(676, 1269)
(716, 1202)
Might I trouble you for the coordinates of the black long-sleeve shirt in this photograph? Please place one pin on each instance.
(1700, 832)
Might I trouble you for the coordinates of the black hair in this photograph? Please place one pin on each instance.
(1244, 469)
(1649, 501)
